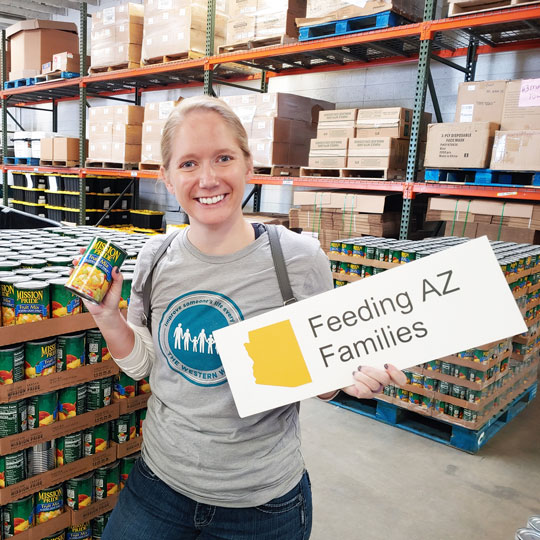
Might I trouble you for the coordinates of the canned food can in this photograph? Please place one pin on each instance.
(30, 262)
(433, 365)
(92, 277)
(402, 395)
(415, 398)
(467, 415)
(42, 409)
(439, 406)
(107, 480)
(11, 364)
(408, 374)
(71, 401)
(98, 525)
(430, 384)
(69, 448)
(31, 301)
(459, 391)
(70, 351)
(41, 458)
(18, 516)
(445, 387)
(9, 265)
(339, 283)
(142, 416)
(7, 296)
(480, 356)
(12, 468)
(124, 386)
(59, 261)
(427, 402)
(120, 428)
(13, 418)
(446, 368)
(79, 532)
(335, 247)
(473, 396)
(367, 271)
(355, 269)
(144, 386)
(449, 409)
(127, 278)
(126, 466)
(97, 347)
(417, 380)
(347, 248)
(370, 252)
(63, 301)
(39, 358)
(80, 491)
(334, 266)
(359, 249)
(49, 503)
(96, 439)
(343, 268)
(99, 393)
(458, 412)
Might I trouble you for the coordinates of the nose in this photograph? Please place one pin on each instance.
(207, 178)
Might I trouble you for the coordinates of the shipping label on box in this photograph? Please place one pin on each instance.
(379, 146)
(329, 145)
(327, 162)
(338, 115)
(335, 133)
(521, 109)
(480, 101)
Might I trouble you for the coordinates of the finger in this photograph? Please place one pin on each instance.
(115, 290)
(381, 376)
(82, 250)
(359, 390)
(374, 384)
(75, 262)
(396, 375)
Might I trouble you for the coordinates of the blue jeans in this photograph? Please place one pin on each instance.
(149, 509)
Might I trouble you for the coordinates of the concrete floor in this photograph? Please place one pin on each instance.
(372, 481)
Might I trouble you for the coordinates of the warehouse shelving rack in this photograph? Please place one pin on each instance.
(441, 40)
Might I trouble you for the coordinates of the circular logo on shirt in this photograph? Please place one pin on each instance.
(186, 335)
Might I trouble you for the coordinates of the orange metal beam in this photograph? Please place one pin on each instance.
(329, 183)
(513, 192)
(40, 169)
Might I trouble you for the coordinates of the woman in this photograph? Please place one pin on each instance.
(206, 473)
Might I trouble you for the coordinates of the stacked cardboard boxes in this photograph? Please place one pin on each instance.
(176, 27)
(263, 19)
(115, 133)
(155, 116)
(60, 151)
(279, 125)
(116, 36)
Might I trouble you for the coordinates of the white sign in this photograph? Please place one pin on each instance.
(439, 305)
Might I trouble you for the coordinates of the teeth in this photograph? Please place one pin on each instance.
(211, 200)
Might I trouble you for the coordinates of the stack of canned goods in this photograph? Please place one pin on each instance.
(126, 387)
(35, 267)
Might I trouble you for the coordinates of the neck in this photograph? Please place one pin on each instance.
(222, 239)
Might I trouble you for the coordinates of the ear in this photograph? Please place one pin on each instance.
(249, 168)
(163, 175)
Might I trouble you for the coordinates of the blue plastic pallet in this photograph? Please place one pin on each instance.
(435, 429)
(18, 83)
(483, 177)
(354, 25)
(21, 161)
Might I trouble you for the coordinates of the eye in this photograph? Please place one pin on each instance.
(224, 159)
(187, 165)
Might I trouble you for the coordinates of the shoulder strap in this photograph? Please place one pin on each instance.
(146, 317)
(279, 264)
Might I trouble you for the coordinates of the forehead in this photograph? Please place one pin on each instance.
(204, 127)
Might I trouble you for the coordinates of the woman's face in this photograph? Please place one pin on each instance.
(208, 171)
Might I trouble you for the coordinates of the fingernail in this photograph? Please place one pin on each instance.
(116, 270)
(359, 368)
(385, 366)
(354, 373)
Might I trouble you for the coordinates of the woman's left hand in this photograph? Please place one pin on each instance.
(369, 381)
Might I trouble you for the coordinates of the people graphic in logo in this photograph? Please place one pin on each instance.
(186, 335)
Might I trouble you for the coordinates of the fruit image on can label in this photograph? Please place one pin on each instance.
(71, 401)
(13, 418)
(42, 409)
(335, 247)
(429, 383)
(18, 516)
(31, 301)
(107, 480)
(80, 491)
(92, 277)
(11, 364)
(7, 295)
(126, 290)
(39, 358)
(143, 387)
(96, 439)
(417, 380)
(124, 386)
(63, 301)
(359, 250)
(142, 418)
(69, 448)
(12, 468)
(70, 351)
(79, 532)
(49, 503)
(98, 393)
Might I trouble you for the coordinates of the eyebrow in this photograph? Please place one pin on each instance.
(187, 157)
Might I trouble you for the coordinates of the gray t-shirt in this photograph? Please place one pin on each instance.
(194, 439)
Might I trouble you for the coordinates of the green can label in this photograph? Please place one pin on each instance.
(42, 410)
(11, 364)
(39, 358)
(107, 480)
(69, 448)
(79, 532)
(93, 275)
(49, 503)
(126, 290)
(142, 418)
(98, 525)
(120, 428)
(7, 294)
(71, 401)
(70, 351)
(80, 491)
(18, 516)
(96, 439)
(99, 393)
(97, 347)
(31, 301)
(126, 466)
(12, 468)
(13, 418)
(63, 301)
(124, 386)
(395, 256)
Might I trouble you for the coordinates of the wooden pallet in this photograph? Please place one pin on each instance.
(366, 174)
(256, 43)
(277, 170)
(95, 164)
(116, 67)
(58, 163)
(149, 166)
(186, 55)
(466, 7)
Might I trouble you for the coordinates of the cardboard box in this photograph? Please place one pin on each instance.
(159, 110)
(46, 68)
(66, 149)
(280, 129)
(389, 122)
(267, 152)
(509, 234)
(379, 146)
(328, 147)
(240, 29)
(239, 8)
(466, 145)
(125, 153)
(130, 405)
(78, 517)
(121, 14)
(339, 118)
(521, 110)
(291, 106)
(327, 162)
(129, 447)
(128, 114)
(151, 152)
(349, 200)
(49, 528)
(99, 151)
(47, 149)
(480, 101)
(334, 133)
(33, 43)
(101, 115)
(67, 61)
(516, 151)
(485, 207)
(100, 132)
(377, 162)
(127, 133)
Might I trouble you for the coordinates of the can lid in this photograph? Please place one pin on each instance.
(527, 534)
(13, 279)
(58, 280)
(27, 260)
(59, 259)
(31, 284)
(29, 271)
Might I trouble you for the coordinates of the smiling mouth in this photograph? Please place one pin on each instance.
(211, 200)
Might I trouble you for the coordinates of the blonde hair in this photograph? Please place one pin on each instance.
(201, 103)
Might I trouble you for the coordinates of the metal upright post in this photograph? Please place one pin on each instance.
(82, 114)
(419, 105)
(4, 120)
(210, 27)
(54, 116)
(472, 57)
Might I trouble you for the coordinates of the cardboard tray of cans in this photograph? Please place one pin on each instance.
(132, 404)
(361, 260)
(129, 447)
(44, 530)
(78, 517)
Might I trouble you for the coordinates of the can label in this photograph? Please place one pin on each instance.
(71, 401)
(121, 429)
(69, 448)
(96, 439)
(63, 301)
(93, 275)
(80, 491)
(142, 416)
(58, 536)
(49, 503)
(79, 532)
(11, 364)
(143, 387)
(126, 293)
(12, 468)
(7, 295)
(126, 466)
(124, 386)
(31, 302)
(18, 516)
(39, 358)
(99, 393)
(97, 348)
(70, 351)
(107, 480)
(42, 410)
(98, 525)
(13, 418)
